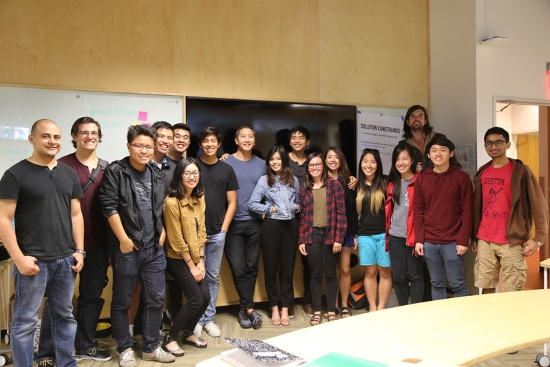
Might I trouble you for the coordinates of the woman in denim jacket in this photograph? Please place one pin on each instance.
(276, 196)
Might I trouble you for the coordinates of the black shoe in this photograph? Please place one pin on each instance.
(96, 355)
(255, 319)
(291, 314)
(46, 362)
(244, 320)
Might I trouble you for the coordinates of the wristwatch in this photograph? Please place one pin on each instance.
(81, 252)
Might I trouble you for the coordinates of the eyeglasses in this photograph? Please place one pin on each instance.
(490, 143)
(188, 174)
(140, 147)
(94, 134)
(315, 165)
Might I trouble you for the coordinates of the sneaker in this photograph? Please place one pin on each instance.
(158, 355)
(198, 330)
(213, 330)
(309, 309)
(46, 362)
(244, 321)
(255, 319)
(126, 358)
(291, 314)
(96, 355)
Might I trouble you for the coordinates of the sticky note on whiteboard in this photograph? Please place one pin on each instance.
(142, 116)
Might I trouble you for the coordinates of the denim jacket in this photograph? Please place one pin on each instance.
(283, 197)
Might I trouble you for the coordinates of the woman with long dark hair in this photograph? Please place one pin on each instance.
(186, 233)
(407, 274)
(322, 228)
(276, 196)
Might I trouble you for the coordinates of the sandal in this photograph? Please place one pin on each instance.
(285, 322)
(331, 316)
(198, 343)
(276, 322)
(315, 319)
(175, 351)
(346, 313)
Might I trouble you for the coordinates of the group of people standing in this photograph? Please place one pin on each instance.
(156, 213)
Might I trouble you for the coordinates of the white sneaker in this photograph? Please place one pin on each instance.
(198, 330)
(158, 355)
(213, 330)
(127, 359)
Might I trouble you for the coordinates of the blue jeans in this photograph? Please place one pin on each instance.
(214, 254)
(443, 260)
(55, 280)
(88, 309)
(242, 250)
(149, 266)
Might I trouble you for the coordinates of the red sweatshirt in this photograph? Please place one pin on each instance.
(443, 207)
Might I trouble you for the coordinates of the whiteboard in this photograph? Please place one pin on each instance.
(21, 107)
(379, 128)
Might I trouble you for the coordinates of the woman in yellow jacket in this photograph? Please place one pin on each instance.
(186, 233)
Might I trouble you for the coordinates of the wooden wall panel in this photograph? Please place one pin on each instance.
(363, 52)
(374, 53)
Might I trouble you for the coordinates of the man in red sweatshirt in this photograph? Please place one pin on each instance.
(443, 201)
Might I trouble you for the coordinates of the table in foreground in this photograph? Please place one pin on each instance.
(452, 332)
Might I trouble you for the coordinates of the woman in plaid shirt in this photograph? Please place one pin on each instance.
(322, 226)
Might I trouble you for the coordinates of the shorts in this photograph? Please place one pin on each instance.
(492, 259)
(372, 250)
(348, 240)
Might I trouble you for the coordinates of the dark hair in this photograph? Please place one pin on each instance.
(162, 125)
(209, 131)
(308, 182)
(498, 131)
(81, 121)
(244, 127)
(298, 129)
(286, 176)
(343, 171)
(135, 130)
(395, 176)
(182, 126)
(177, 189)
(407, 129)
(444, 142)
(377, 189)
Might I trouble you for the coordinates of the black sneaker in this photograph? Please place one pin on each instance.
(291, 314)
(255, 319)
(244, 321)
(96, 355)
(46, 362)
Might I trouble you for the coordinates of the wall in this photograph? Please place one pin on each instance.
(361, 52)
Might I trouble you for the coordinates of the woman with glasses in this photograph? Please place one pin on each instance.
(371, 196)
(338, 170)
(322, 228)
(407, 266)
(276, 197)
(186, 232)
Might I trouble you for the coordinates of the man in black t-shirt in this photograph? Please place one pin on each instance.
(46, 245)
(132, 198)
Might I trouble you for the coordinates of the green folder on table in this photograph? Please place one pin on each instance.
(337, 359)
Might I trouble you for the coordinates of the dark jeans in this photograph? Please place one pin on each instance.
(88, 310)
(242, 250)
(407, 272)
(445, 264)
(306, 276)
(279, 242)
(197, 295)
(322, 261)
(149, 266)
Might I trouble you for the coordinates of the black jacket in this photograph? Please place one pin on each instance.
(117, 195)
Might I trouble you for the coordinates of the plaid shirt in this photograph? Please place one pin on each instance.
(336, 214)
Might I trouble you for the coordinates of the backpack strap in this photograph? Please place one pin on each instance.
(101, 165)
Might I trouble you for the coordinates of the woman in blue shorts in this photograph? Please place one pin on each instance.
(371, 197)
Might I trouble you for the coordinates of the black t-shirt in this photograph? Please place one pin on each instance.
(371, 224)
(217, 179)
(298, 170)
(43, 224)
(142, 187)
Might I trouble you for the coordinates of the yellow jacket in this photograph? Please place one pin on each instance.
(185, 228)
